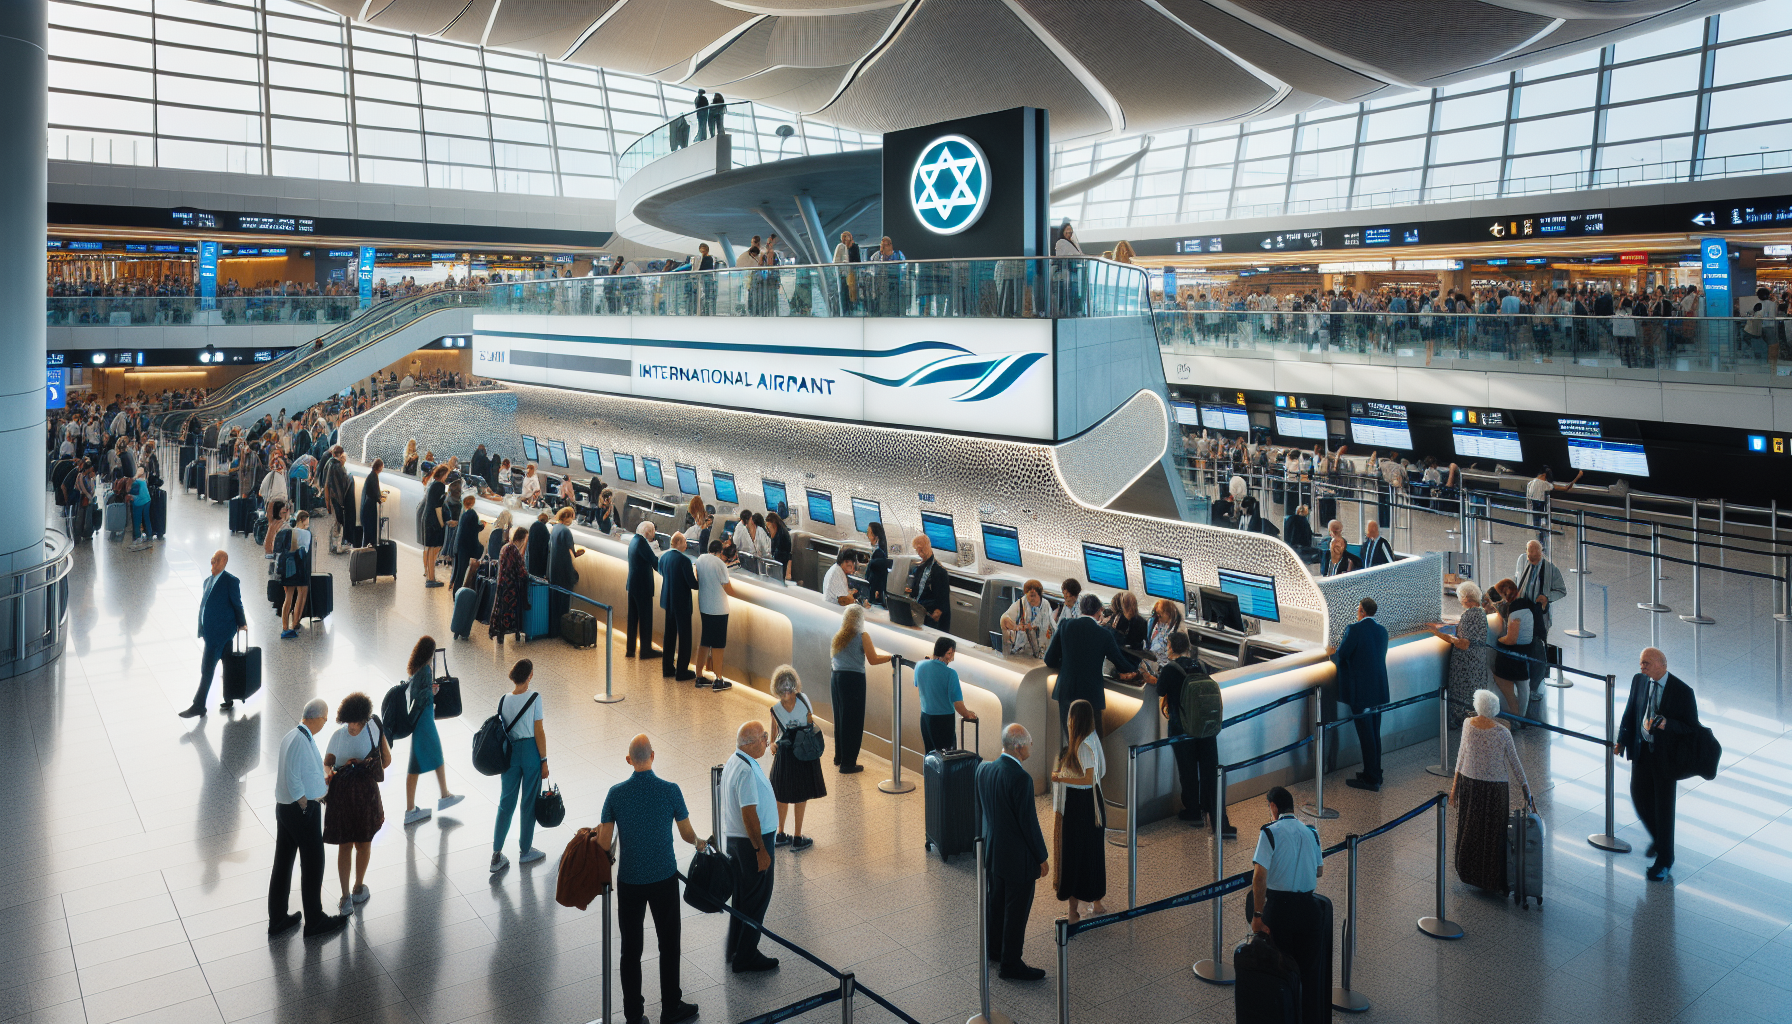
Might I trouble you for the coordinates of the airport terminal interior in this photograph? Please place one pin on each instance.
(1181, 510)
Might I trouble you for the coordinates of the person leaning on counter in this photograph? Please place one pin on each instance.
(929, 586)
(1077, 652)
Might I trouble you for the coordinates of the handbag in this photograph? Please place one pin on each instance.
(709, 881)
(550, 807)
(805, 742)
(447, 698)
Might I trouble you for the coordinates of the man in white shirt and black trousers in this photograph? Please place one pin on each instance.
(299, 828)
(1288, 863)
(749, 825)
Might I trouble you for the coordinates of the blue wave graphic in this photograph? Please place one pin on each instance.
(989, 376)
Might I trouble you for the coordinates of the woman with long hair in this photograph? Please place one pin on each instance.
(294, 567)
(850, 651)
(426, 743)
(512, 597)
(877, 563)
(780, 541)
(372, 496)
(1076, 797)
(409, 466)
(435, 522)
(357, 759)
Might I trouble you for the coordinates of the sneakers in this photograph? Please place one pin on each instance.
(449, 801)
(721, 684)
(433, 583)
(801, 843)
(781, 839)
(703, 683)
(499, 862)
(289, 634)
(360, 895)
(416, 814)
(530, 856)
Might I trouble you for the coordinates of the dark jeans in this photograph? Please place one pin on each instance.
(1368, 738)
(937, 732)
(301, 834)
(1197, 767)
(752, 894)
(1653, 791)
(633, 902)
(675, 645)
(848, 692)
(1297, 925)
(640, 622)
(208, 666)
(1010, 902)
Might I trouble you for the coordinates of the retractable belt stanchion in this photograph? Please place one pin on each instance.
(988, 1016)
(1580, 542)
(608, 1017)
(1132, 827)
(895, 783)
(1654, 603)
(847, 984)
(608, 697)
(1608, 840)
(1698, 616)
(1440, 926)
(1343, 998)
(715, 807)
(1490, 540)
(1580, 630)
(1442, 768)
(1214, 968)
(1061, 932)
(1317, 808)
(1785, 612)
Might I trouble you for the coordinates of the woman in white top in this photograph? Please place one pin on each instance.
(531, 486)
(356, 759)
(1072, 590)
(1079, 860)
(751, 538)
(273, 486)
(293, 566)
(1486, 762)
(1029, 624)
(795, 781)
(528, 765)
(1066, 243)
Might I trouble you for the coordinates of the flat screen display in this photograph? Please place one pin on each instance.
(687, 478)
(1001, 544)
(1187, 413)
(531, 450)
(1162, 576)
(1480, 443)
(939, 529)
(864, 513)
(775, 494)
(625, 466)
(1105, 565)
(650, 468)
(1256, 594)
(1608, 457)
(1300, 424)
(724, 485)
(1225, 417)
(557, 454)
(593, 459)
(1379, 425)
(821, 506)
(1574, 427)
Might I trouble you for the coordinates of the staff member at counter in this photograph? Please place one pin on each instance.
(643, 568)
(928, 585)
(1077, 652)
(877, 564)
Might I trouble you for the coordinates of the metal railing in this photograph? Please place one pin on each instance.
(34, 608)
(608, 696)
(741, 122)
(183, 310)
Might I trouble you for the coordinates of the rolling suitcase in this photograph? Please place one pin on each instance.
(363, 565)
(118, 519)
(1269, 986)
(466, 604)
(242, 516)
(1524, 855)
(261, 528)
(446, 555)
(320, 600)
(535, 620)
(579, 628)
(158, 514)
(488, 594)
(216, 486)
(242, 671)
(950, 780)
(385, 552)
(193, 477)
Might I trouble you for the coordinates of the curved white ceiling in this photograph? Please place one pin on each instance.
(1099, 66)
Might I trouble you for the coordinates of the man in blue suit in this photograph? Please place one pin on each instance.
(678, 581)
(1014, 850)
(643, 569)
(1362, 660)
(220, 617)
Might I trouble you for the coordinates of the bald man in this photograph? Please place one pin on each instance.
(750, 825)
(643, 806)
(1015, 851)
(928, 584)
(220, 619)
(1660, 713)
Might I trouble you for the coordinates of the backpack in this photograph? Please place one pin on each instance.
(584, 871)
(395, 710)
(286, 557)
(1202, 708)
(804, 742)
(491, 744)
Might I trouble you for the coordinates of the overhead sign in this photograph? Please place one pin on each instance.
(1714, 270)
(950, 185)
(365, 274)
(208, 275)
(56, 389)
(973, 187)
(1633, 258)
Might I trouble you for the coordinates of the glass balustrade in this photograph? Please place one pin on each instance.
(110, 311)
(732, 119)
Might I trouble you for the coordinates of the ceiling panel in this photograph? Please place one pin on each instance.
(646, 37)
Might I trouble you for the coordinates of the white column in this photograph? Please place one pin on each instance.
(24, 71)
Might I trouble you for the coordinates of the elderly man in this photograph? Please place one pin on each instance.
(1376, 549)
(678, 580)
(750, 826)
(1016, 852)
(645, 807)
(1661, 712)
(643, 568)
(298, 818)
(1337, 559)
(220, 619)
(929, 586)
(1540, 580)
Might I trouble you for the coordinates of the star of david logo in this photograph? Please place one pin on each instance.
(950, 185)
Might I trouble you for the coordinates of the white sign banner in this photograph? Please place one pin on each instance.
(991, 376)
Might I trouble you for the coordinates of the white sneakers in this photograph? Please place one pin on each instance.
(416, 814)
(499, 862)
(530, 856)
(449, 801)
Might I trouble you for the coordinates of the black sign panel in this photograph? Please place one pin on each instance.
(920, 180)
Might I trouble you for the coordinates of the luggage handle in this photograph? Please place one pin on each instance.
(243, 634)
(977, 732)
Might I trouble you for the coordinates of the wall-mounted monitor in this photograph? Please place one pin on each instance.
(1226, 417)
(724, 485)
(1300, 423)
(687, 478)
(1256, 593)
(531, 449)
(1379, 425)
(1162, 576)
(650, 468)
(1624, 459)
(1188, 414)
(1483, 443)
(939, 529)
(557, 454)
(864, 513)
(593, 459)
(775, 494)
(1001, 544)
(625, 466)
(1105, 565)
(821, 506)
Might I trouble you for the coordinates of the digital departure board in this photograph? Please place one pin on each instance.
(1625, 459)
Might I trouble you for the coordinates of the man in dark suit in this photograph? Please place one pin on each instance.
(929, 585)
(678, 581)
(1376, 549)
(1077, 651)
(1297, 533)
(1015, 851)
(1338, 560)
(468, 546)
(1362, 660)
(220, 617)
(1660, 713)
(643, 569)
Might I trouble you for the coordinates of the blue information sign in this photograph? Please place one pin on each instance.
(1714, 259)
(366, 274)
(56, 390)
(208, 275)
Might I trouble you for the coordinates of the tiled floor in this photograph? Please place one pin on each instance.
(134, 877)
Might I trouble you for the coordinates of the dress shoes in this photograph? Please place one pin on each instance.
(328, 926)
(1657, 872)
(1362, 783)
(686, 676)
(758, 963)
(279, 925)
(193, 712)
(1021, 972)
(678, 1014)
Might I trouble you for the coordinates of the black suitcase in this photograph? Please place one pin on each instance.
(276, 593)
(242, 671)
(466, 605)
(385, 551)
(220, 486)
(949, 778)
(488, 595)
(242, 516)
(320, 600)
(158, 513)
(193, 477)
(1271, 995)
(579, 628)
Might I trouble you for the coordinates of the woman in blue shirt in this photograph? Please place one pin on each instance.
(941, 698)
(139, 511)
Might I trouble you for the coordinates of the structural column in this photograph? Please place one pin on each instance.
(24, 71)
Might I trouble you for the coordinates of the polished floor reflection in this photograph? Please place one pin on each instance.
(136, 858)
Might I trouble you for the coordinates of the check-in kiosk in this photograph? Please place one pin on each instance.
(726, 495)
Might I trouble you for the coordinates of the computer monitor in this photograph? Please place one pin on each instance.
(1219, 608)
(864, 513)
(775, 494)
(650, 468)
(557, 454)
(724, 485)
(1255, 593)
(939, 529)
(1105, 565)
(531, 449)
(687, 478)
(1162, 576)
(821, 506)
(593, 459)
(625, 466)
(1001, 544)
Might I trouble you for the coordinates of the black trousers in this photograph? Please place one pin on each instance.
(937, 732)
(1198, 768)
(1368, 738)
(752, 894)
(301, 834)
(640, 622)
(848, 692)
(1010, 902)
(1297, 925)
(1653, 791)
(208, 667)
(675, 645)
(633, 903)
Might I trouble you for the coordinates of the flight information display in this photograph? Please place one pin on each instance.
(1187, 413)
(1608, 457)
(1292, 423)
(593, 459)
(1478, 443)
(651, 468)
(775, 494)
(531, 449)
(821, 506)
(1578, 427)
(864, 513)
(1225, 417)
(1379, 425)
(1001, 544)
(625, 466)
(1256, 594)
(939, 529)
(687, 478)
(724, 485)
(1163, 576)
(557, 454)
(1105, 565)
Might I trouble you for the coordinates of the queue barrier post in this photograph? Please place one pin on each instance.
(895, 783)
(1773, 521)
(1061, 932)
(715, 806)
(1440, 926)
(847, 985)
(608, 696)
(1608, 840)
(1317, 808)
(1723, 509)
(1654, 603)
(1214, 969)
(1698, 616)
(1491, 539)
(1442, 768)
(987, 1016)
(1580, 542)
(1343, 997)
(1132, 827)
(607, 1018)
(1580, 630)
(1785, 612)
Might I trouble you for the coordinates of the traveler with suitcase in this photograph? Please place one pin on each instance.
(1288, 864)
(561, 551)
(942, 700)
(426, 743)
(140, 501)
(220, 618)
(852, 649)
(292, 565)
(1015, 850)
(510, 602)
(468, 544)
(1485, 763)
(796, 765)
(1076, 800)
(435, 523)
(521, 712)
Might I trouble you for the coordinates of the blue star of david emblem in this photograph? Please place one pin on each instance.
(949, 187)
